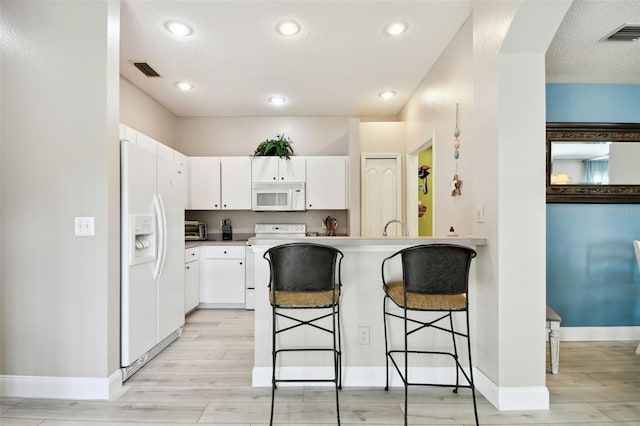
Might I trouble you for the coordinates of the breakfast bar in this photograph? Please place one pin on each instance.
(363, 352)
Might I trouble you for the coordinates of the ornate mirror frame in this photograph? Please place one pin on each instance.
(585, 132)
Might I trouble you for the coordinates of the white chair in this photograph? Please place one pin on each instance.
(636, 246)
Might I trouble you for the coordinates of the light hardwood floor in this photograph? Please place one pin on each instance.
(205, 377)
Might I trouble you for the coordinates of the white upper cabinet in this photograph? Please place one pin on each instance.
(235, 183)
(327, 183)
(183, 172)
(204, 183)
(220, 183)
(276, 169)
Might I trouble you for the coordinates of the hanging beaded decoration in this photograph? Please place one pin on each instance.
(456, 182)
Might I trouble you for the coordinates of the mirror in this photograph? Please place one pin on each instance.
(593, 162)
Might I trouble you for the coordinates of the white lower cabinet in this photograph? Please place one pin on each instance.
(222, 277)
(191, 278)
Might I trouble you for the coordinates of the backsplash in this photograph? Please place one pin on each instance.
(243, 221)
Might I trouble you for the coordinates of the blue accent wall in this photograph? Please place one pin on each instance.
(592, 273)
(604, 103)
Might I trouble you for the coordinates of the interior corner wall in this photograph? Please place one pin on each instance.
(432, 109)
(141, 112)
(59, 291)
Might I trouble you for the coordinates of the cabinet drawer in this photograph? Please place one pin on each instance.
(191, 254)
(224, 252)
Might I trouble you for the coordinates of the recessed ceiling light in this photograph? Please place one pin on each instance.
(178, 28)
(288, 28)
(183, 85)
(387, 94)
(277, 100)
(396, 28)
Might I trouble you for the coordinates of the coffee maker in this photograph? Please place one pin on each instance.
(227, 233)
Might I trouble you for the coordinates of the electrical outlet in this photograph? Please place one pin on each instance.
(363, 335)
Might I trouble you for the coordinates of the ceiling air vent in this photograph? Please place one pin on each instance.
(625, 33)
(146, 69)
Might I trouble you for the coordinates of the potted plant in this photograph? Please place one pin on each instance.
(279, 146)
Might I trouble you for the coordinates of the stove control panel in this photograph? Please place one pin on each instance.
(281, 228)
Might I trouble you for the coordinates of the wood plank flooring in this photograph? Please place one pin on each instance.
(205, 378)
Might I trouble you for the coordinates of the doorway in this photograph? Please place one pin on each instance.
(421, 154)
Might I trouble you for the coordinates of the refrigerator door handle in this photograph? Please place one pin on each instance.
(161, 236)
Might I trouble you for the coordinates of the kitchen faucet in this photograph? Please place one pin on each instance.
(406, 230)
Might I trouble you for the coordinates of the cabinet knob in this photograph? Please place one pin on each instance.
(225, 252)
(215, 205)
(241, 263)
(274, 178)
(282, 178)
(310, 205)
(188, 267)
(224, 205)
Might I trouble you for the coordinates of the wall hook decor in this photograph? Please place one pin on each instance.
(456, 182)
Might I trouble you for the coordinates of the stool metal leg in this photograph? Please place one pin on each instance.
(455, 353)
(406, 366)
(473, 386)
(386, 346)
(273, 361)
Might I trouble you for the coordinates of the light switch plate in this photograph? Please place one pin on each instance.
(84, 226)
(479, 213)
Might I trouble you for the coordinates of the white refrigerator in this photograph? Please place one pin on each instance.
(153, 190)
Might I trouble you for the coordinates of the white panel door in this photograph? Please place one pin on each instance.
(380, 195)
(171, 280)
(235, 183)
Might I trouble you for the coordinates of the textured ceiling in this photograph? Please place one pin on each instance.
(341, 59)
(578, 52)
(335, 66)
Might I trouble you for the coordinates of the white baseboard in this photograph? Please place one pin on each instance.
(511, 398)
(61, 387)
(594, 334)
(504, 399)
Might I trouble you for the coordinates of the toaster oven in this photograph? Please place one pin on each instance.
(195, 230)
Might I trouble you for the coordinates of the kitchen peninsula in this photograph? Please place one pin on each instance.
(363, 360)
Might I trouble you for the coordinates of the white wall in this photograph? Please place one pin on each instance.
(432, 109)
(201, 136)
(144, 114)
(60, 293)
(509, 126)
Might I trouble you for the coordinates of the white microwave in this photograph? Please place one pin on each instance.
(278, 196)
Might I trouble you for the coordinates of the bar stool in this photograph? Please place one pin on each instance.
(435, 278)
(305, 276)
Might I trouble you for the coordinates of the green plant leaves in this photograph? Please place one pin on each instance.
(279, 146)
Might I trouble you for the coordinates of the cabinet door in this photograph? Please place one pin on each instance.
(292, 170)
(204, 183)
(235, 183)
(191, 285)
(326, 183)
(264, 169)
(222, 281)
(183, 172)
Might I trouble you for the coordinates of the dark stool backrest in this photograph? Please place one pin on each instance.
(437, 268)
(303, 267)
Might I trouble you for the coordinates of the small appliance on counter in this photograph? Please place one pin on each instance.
(227, 233)
(195, 230)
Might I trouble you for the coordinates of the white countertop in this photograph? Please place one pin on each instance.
(465, 240)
